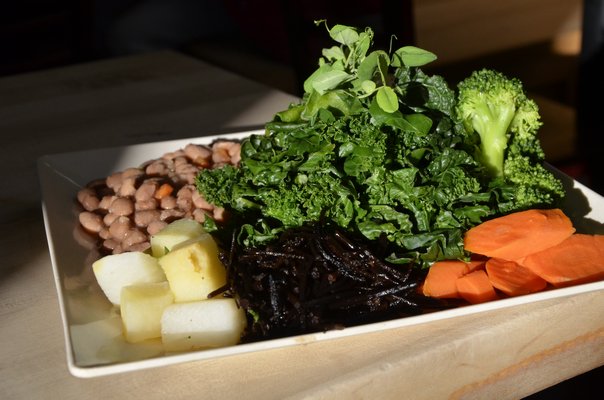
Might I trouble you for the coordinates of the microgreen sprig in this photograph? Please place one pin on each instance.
(348, 77)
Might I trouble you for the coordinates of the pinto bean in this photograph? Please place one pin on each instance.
(184, 204)
(109, 218)
(88, 199)
(143, 218)
(159, 167)
(187, 172)
(172, 155)
(167, 202)
(220, 155)
(182, 160)
(200, 155)
(236, 159)
(132, 237)
(122, 206)
(150, 204)
(193, 151)
(143, 246)
(184, 169)
(128, 187)
(106, 201)
(104, 233)
(171, 215)
(114, 181)
(184, 197)
(90, 221)
(111, 244)
(190, 178)
(120, 227)
(219, 214)
(156, 226)
(146, 190)
(132, 173)
(226, 151)
(234, 150)
(200, 202)
(199, 215)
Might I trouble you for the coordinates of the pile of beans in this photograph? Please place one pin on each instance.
(123, 210)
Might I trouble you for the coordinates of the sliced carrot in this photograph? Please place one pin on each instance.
(519, 234)
(476, 287)
(476, 263)
(578, 259)
(512, 278)
(441, 278)
(163, 191)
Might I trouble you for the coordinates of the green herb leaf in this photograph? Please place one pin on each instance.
(387, 99)
(412, 56)
(329, 80)
(344, 34)
(368, 86)
(292, 114)
(368, 66)
(308, 83)
(334, 53)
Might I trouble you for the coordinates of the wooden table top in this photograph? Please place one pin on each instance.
(503, 354)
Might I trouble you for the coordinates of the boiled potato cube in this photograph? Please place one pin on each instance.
(175, 233)
(142, 306)
(201, 324)
(194, 269)
(115, 271)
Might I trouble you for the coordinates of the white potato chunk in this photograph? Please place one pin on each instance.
(194, 269)
(202, 324)
(175, 233)
(142, 306)
(115, 271)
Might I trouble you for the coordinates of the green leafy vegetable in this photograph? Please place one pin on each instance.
(377, 147)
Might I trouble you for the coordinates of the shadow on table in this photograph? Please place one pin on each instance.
(22, 240)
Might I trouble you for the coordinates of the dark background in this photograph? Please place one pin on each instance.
(277, 43)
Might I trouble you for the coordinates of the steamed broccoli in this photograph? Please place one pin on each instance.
(506, 121)
(497, 109)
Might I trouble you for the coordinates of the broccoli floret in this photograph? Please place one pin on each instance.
(532, 185)
(507, 121)
(496, 108)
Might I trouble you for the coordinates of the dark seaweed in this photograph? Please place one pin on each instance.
(316, 278)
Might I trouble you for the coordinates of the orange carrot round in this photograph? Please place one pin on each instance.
(578, 259)
(476, 287)
(441, 278)
(512, 278)
(519, 234)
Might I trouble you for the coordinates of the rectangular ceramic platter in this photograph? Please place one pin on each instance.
(92, 326)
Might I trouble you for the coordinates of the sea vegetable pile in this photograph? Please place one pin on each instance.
(380, 149)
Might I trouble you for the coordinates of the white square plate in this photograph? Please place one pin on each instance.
(91, 325)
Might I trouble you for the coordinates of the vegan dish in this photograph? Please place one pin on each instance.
(383, 193)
